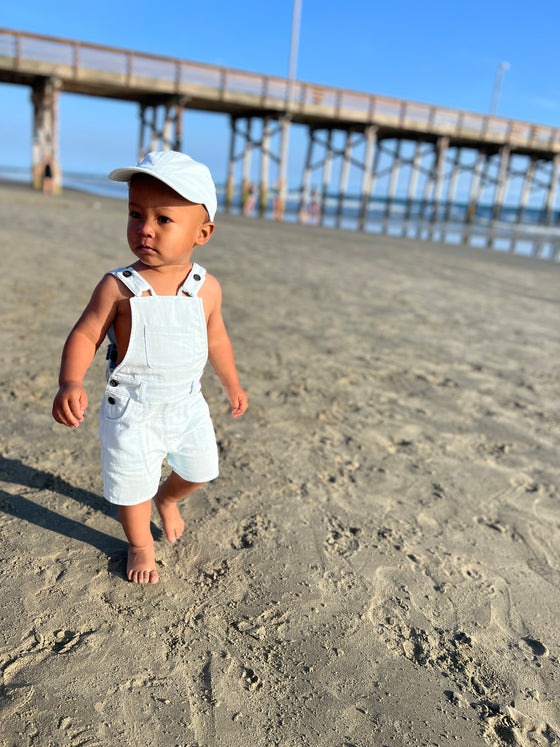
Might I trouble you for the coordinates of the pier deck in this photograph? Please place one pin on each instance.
(97, 70)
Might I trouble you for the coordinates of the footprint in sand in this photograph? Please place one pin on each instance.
(250, 680)
(341, 540)
(249, 531)
(510, 726)
(539, 649)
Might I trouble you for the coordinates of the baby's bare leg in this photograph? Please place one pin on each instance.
(135, 520)
(170, 492)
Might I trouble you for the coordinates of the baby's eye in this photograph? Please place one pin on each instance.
(164, 219)
(135, 214)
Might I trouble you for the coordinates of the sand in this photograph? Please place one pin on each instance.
(379, 561)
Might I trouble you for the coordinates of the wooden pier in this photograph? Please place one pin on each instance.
(428, 147)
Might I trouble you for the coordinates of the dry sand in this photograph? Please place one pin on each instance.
(379, 562)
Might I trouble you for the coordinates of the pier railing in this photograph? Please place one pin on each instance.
(106, 71)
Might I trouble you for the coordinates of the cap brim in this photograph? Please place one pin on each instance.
(124, 175)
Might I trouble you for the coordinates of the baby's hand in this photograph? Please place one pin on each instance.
(70, 404)
(238, 400)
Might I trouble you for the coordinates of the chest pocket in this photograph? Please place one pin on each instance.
(168, 348)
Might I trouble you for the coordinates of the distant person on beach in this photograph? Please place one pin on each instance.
(279, 202)
(48, 187)
(251, 201)
(310, 210)
(163, 316)
(315, 207)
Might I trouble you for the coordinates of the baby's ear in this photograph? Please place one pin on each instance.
(206, 230)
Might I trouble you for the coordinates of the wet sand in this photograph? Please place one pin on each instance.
(379, 561)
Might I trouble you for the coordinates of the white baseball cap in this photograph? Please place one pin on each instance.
(189, 178)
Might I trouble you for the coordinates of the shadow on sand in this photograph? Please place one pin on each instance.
(20, 507)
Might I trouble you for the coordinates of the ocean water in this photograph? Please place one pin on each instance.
(416, 220)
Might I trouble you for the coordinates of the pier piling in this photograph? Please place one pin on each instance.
(44, 98)
(161, 124)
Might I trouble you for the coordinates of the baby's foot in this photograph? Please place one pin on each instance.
(141, 566)
(171, 521)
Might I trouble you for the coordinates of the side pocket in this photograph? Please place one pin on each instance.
(115, 408)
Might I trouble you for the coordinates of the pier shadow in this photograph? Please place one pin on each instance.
(16, 472)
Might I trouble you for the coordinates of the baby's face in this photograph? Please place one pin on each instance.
(163, 227)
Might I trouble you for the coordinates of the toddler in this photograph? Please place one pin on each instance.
(163, 317)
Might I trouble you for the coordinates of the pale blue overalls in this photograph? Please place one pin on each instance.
(153, 407)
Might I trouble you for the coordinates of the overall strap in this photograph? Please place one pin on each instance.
(132, 279)
(137, 285)
(194, 281)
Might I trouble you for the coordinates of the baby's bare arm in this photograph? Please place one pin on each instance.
(220, 351)
(79, 350)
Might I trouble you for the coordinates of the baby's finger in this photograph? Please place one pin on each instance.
(74, 413)
(65, 417)
(239, 409)
(83, 402)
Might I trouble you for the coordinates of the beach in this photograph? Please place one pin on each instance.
(378, 562)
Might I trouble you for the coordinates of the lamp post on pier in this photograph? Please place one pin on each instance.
(502, 67)
(294, 49)
(280, 202)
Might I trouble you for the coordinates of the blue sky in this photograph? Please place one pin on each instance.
(438, 52)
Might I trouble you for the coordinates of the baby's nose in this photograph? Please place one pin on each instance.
(145, 227)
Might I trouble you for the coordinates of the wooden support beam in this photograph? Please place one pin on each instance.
(453, 179)
(327, 170)
(142, 118)
(282, 183)
(394, 178)
(525, 192)
(154, 134)
(265, 155)
(439, 175)
(442, 146)
(413, 181)
(552, 190)
(247, 152)
(344, 174)
(167, 135)
(428, 187)
(370, 168)
(475, 190)
(306, 178)
(230, 184)
(45, 167)
(502, 182)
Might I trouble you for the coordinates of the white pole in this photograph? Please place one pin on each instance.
(502, 67)
(293, 51)
(285, 120)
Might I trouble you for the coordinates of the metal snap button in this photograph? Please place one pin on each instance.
(111, 400)
(114, 382)
(196, 277)
(127, 273)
